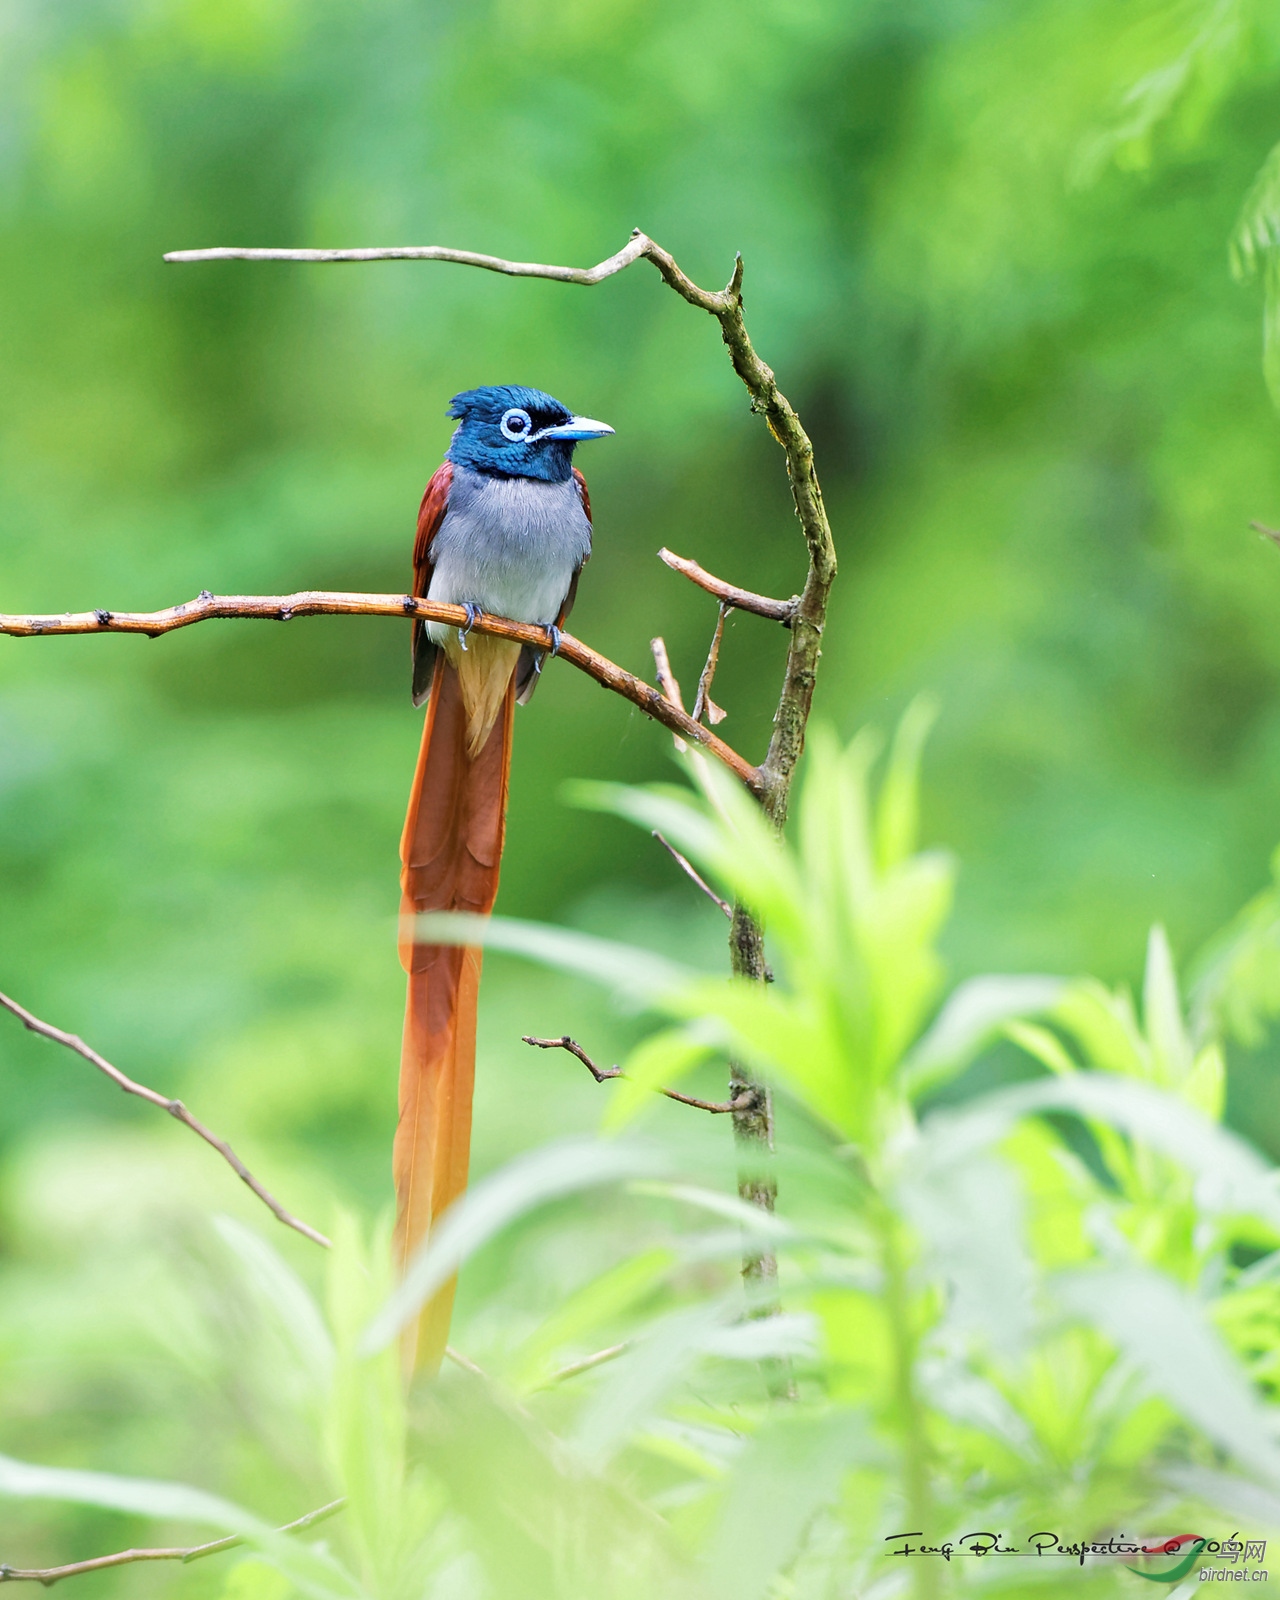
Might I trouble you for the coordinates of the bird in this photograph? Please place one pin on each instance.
(505, 528)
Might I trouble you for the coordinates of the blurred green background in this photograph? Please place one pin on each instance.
(1001, 303)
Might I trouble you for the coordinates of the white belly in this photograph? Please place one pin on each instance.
(508, 545)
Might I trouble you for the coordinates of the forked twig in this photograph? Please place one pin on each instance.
(728, 593)
(175, 1108)
(717, 1108)
(688, 867)
(48, 1576)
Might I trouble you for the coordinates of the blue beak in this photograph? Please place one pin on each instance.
(576, 428)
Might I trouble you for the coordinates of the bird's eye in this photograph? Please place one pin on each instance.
(515, 424)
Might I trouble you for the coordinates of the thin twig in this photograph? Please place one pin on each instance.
(688, 867)
(586, 1364)
(465, 1362)
(703, 704)
(175, 1108)
(1269, 533)
(336, 603)
(667, 682)
(717, 1108)
(48, 1576)
(728, 593)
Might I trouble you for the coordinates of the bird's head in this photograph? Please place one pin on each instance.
(517, 433)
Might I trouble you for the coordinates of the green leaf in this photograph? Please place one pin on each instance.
(898, 806)
(642, 974)
(1234, 1177)
(1164, 1332)
(971, 1017)
(634, 1387)
(1162, 1013)
(791, 1469)
(280, 1287)
(556, 1170)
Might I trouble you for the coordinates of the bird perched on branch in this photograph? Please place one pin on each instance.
(504, 528)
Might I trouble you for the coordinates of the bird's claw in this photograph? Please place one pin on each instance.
(473, 611)
(556, 637)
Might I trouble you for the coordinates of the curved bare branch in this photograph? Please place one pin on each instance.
(175, 1108)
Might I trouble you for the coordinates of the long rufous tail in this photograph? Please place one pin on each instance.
(450, 854)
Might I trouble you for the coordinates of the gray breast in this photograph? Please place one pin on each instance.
(509, 545)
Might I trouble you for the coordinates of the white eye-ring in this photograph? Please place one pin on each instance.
(516, 424)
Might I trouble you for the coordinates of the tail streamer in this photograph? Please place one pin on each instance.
(451, 853)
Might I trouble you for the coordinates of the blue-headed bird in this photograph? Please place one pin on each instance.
(505, 528)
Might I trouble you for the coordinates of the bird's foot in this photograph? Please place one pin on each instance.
(473, 611)
(555, 637)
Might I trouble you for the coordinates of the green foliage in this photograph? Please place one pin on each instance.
(1025, 1311)
(985, 251)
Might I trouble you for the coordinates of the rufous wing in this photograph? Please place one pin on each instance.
(431, 513)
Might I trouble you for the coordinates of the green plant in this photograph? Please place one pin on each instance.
(1025, 1311)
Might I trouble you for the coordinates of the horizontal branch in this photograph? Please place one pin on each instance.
(175, 1108)
(48, 1576)
(806, 615)
(631, 251)
(638, 247)
(728, 593)
(717, 1108)
(337, 603)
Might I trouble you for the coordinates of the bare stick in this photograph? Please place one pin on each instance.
(687, 866)
(1269, 533)
(717, 1108)
(703, 705)
(465, 1362)
(728, 593)
(667, 682)
(48, 1576)
(175, 1108)
(586, 1364)
(335, 603)
(632, 251)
